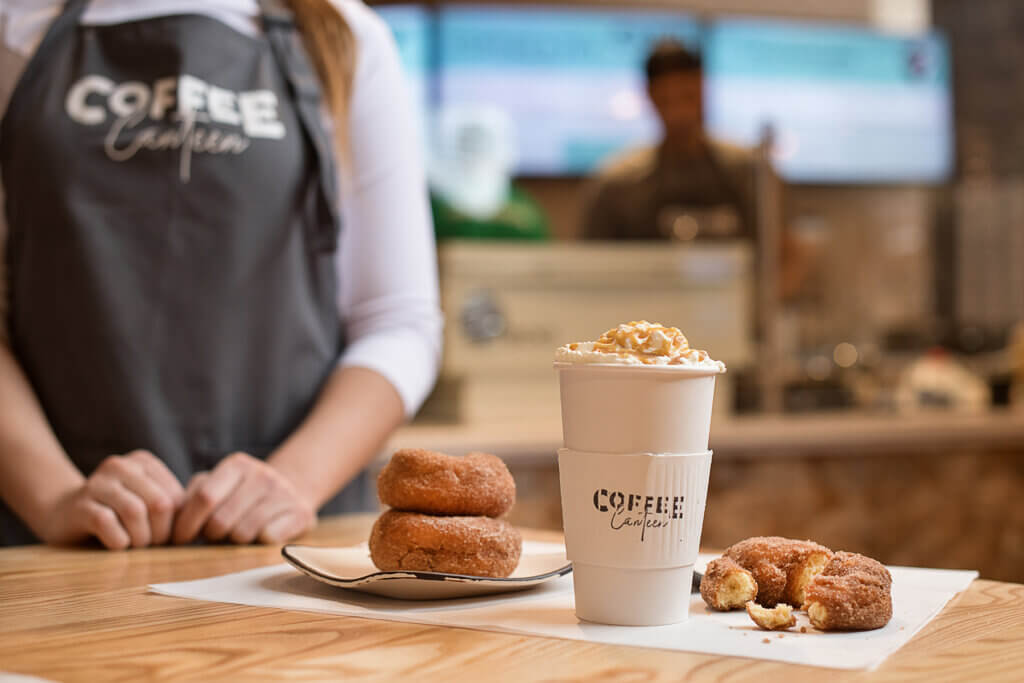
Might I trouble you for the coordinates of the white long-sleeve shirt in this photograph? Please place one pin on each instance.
(386, 261)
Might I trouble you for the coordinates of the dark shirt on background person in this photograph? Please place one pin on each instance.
(652, 194)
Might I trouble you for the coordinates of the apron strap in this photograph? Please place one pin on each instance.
(56, 32)
(65, 22)
(292, 58)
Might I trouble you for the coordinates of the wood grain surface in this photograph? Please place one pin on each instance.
(85, 615)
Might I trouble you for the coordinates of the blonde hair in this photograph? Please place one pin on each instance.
(332, 49)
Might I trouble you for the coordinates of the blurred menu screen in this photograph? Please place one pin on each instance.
(570, 80)
(846, 104)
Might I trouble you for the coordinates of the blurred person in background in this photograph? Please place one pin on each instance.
(220, 279)
(688, 186)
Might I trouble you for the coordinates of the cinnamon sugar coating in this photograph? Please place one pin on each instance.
(726, 585)
(433, 483)
(853, 593)
(474, 546)
(782, 567)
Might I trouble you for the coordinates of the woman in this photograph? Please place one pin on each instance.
(221, 293)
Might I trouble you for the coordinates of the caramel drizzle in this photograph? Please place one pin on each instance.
(634, 339)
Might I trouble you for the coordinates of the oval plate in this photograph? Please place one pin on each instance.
(350, 567)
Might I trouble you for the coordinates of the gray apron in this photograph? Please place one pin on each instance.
(172, 213)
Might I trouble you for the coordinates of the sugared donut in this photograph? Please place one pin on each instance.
(475, 546)
(853, 593)
(418, 480)
(726, 585)
(782, 567)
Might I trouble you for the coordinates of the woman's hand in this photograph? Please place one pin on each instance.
(129, 501)
(243, 499)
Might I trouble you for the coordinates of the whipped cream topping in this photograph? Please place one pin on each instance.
(639, 343)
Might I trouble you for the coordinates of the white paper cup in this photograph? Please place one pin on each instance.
(635, 409)
(632, 531)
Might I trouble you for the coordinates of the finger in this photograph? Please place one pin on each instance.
(255, 485)
(196, 481)
(161, 474)
(159, 504)
(204, 497)
(250, 526)
(102, 522)
(286, 527)
(130, 508)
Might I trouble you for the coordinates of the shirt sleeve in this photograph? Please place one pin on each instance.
(387, 261)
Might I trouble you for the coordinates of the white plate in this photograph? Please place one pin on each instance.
(350, 567)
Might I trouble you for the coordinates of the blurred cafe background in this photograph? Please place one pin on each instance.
(864, 283)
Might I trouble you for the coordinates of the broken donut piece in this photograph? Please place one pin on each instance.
(726, 585)
(782, 567)
(777, 618)
(853, 593)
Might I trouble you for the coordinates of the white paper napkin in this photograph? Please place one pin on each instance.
(918, 595)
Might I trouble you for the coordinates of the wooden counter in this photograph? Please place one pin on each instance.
(85, 615)
(807, 434)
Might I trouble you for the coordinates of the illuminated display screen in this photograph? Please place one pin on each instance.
(847, 105)
(570, 80)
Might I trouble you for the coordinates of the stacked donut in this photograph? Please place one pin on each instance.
(446, 515)
(840, 591)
